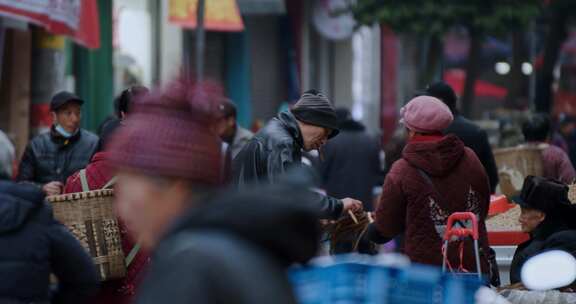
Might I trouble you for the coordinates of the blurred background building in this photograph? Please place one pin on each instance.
(265, 52)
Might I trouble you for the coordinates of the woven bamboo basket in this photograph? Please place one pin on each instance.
(90, 217)
(515, 164)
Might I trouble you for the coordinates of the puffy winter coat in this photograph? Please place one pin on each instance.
(50, 157)
(556, 164)
(351, 165)
(477, 140)
(234, 249)
(549, 235)
(410, 205)
(35, 245)
(273, 151)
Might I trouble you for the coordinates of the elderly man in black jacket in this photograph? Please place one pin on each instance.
(50, 158)
(472, 136)
(279, 145)
(548, 216)
(34, 245)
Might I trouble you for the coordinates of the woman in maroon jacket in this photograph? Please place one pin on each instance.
(436, 176)
(99, 172)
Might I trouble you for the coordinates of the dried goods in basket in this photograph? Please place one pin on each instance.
(90, 217)
(572, 193)
(505, 221)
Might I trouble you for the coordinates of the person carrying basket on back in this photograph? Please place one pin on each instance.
(99, 174)
(436, 177)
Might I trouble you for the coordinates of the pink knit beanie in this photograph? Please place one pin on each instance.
(426, 114)
(170, 133)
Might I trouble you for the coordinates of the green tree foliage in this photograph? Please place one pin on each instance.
(435, 17)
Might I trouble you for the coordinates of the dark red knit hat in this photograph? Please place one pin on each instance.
(170, 133)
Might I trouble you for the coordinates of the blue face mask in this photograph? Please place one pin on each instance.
(63, 132)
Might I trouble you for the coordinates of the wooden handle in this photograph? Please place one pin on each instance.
(353, 216)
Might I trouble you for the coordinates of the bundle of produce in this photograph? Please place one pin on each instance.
(346, 233)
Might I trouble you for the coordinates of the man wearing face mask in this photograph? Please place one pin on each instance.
(279, 145)
(50, 158)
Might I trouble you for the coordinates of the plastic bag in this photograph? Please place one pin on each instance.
(538, 297)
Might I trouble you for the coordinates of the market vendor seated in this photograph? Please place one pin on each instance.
(548, 216)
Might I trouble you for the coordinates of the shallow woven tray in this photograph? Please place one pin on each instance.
(515, 164)
(90, 217)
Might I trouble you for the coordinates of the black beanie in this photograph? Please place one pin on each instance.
(315, 109)
(444, 92)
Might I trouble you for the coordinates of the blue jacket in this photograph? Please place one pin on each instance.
(33, 245)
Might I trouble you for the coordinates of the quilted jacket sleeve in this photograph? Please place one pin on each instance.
(391, 211)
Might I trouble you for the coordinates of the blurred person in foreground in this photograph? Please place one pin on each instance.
(206, 249)
(436, 176)
(230, 132)
(548, 216)
(471, 135)
(351, 165)
(34, 245)
(50, 158)
(7, 155)
(278, 146)
(100, 174)
(555, 162)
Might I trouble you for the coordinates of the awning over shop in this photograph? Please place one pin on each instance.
(75, 18)
(221, 15)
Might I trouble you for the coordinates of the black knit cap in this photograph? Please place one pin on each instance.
(315, 109)
(542, 194)
(444, 92)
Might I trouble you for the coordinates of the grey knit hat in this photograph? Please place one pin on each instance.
(315, 109)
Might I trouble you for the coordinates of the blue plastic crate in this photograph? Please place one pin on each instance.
(461, 288)
(342, 283)
(347, 282)
(417, 284)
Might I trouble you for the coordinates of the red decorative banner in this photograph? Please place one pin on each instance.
(75, 18)
(221, 15)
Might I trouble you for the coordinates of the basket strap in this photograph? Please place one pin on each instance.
(130, 257)
(84, 180)
(110, 183)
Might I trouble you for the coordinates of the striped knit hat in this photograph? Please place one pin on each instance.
(170, 133)
(315, 109)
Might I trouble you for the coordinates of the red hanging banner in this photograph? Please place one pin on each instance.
(75, 18)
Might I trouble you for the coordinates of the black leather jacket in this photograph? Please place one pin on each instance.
(50, 157)
(273, 151)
